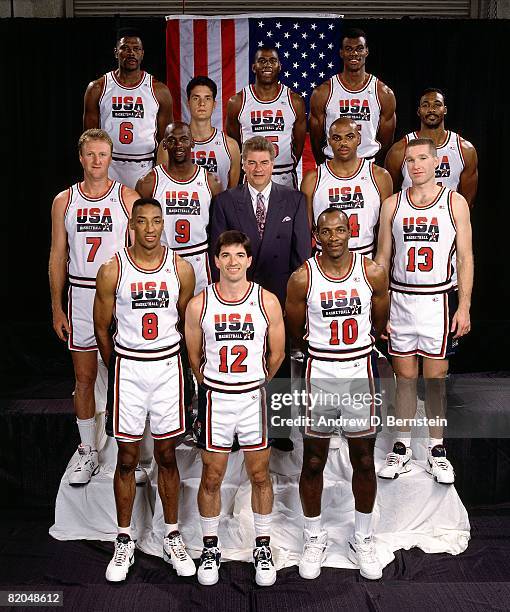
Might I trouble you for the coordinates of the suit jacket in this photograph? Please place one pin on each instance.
(285, 244)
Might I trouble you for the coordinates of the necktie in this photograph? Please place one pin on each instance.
(260, 214)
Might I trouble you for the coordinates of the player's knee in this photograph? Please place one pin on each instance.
(313, 465)
(211, 481)
(363, 462)
(126, 464)
(259, 478)
(84, 383)
(165, 458)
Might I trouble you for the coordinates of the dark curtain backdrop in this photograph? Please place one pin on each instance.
(48, 63)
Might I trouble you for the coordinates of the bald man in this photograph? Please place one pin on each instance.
(184, 191)
(348, 183)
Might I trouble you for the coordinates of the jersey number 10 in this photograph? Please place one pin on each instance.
(349, 332)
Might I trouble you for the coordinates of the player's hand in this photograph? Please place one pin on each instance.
(61, 325)
(384, 336)
(461, 323)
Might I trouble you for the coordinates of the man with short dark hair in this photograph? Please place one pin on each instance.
(132, 107)
(458, 162)
(236, 342)
(357, 95)
(270, 109)
(333, 302)
(147, 286)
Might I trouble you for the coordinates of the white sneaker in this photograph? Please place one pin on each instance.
(397, 462)
(86, 466)
(123, 559)
(140, 475)
(362, 553)
(314, 553)
(439, 466)
(265, 572)
(174, 552)
(209, 565)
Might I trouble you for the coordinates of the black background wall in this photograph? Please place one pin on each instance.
(48, 63)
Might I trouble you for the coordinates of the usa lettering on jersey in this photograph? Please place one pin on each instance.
(267, 121)
(94, 220)
(346, 197)
(182, 203)
(340, 303)
(149, 294)
(126, 107)
(356, 109)
(233, 326)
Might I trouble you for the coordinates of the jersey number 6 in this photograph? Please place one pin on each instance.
(126, 132)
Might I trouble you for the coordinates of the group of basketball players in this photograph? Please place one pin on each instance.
(157, 296)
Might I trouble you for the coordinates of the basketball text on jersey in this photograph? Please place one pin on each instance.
(340, 303)
(206, 159)
(267, 121)
(233, 326)
(149, 294)
(356, 109)
(182, 203)
(126, 107)
(94, 220)
(346, 197)
(420, 229)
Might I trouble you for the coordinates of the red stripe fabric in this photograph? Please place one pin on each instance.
(173, 65)
(200, 47)
(228, 62)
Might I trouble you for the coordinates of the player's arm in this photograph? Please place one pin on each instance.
(393, 163)
(193, 334)
(469, 178)
(295, 304)
(186, 276)
(299, 129)
(104, 304)
(145, 185)
(388, 118)
(384, 183)
(461, 323)
(307, 188)
(232, 127)
(57, 268)
(317, 121)
(91, 118)
(235, 163)
(384, 242)
(165, 111)
(378, 279)
(275, 333)
(214, 184)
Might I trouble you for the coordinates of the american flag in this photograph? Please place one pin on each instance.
(222, 48)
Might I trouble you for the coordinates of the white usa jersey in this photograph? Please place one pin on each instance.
(234, 340)
(451, 162)
(423, 244)
(361, 105)
(146, 312)
(129, 116)
(273, 119)
(338, 311)
(96, 228)
(213, 155)
(357, 195)
(185, 207)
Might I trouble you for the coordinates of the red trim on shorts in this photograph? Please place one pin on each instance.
(181, 427)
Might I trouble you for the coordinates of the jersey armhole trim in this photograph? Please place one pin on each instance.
(68, 203)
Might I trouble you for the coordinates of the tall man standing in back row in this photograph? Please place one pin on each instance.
(132, 107)
(268, 108)
(355, 94)
(458, 162)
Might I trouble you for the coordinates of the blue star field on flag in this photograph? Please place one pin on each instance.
(307, 47)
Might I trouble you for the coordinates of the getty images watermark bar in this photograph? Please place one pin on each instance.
(469, 406)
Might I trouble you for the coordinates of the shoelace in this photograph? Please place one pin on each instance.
(313, 550)
(442, 462)
(177, 546)
(208, 558)
(366, 552)
(392, 458)
(263, 557)
(121, 552)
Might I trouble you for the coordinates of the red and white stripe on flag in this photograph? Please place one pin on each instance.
(217, 47)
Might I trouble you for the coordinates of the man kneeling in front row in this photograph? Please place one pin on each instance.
(236, 342)
(148, 287)
(333, 300)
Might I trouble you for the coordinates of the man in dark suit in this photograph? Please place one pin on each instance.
(274, 218)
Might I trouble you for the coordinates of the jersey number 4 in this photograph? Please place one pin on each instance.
(349, 332)
(237, 366)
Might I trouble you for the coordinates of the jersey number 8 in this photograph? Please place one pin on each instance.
(150, 326)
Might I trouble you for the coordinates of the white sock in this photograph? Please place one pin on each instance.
(435, 442)
(313, 524)
(262, 524)
(169, 527)
(87, 429)
(126, 530)
(362, 524)
(209, 525)
(404, 437)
